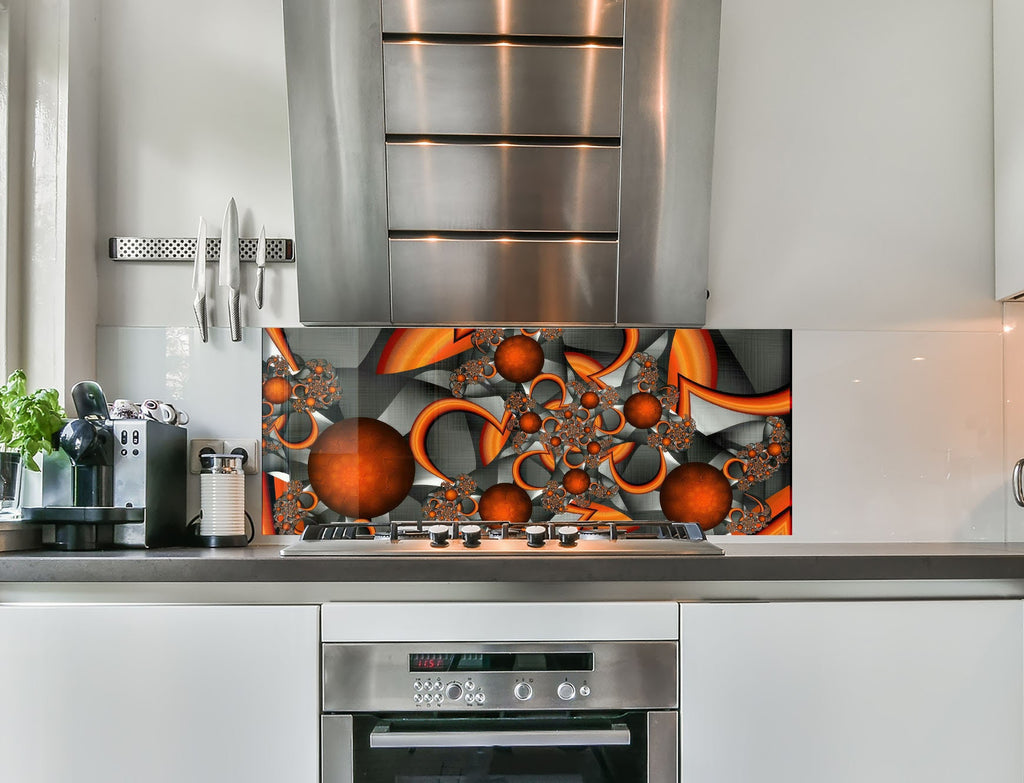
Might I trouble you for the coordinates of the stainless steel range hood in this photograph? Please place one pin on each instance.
(502, 161)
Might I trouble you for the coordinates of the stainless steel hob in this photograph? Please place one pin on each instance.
(455, 539)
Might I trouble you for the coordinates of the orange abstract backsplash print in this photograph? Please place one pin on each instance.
(552, 424)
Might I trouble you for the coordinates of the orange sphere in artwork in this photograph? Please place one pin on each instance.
(529, 422)
(519, 359)
(642, 410)
(361, 467)
(505, 502)
(590, 400)
(276, 389)
(576, 481)
(696, 492)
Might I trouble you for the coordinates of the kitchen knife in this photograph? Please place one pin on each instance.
(229, 275)
(199, 281)
(261, 262)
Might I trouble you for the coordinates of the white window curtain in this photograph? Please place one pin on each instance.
(48, 146)
(6, 325)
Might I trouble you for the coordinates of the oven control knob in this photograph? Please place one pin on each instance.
(470, 535)
(522, 691)
(438, 535)
(584, 690)
(566, 691)
(535, 535)
(453, 692)
(568, 535)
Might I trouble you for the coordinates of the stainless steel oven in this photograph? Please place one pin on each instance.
(516, 712)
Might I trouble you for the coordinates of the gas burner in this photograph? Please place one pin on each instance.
(467, 538)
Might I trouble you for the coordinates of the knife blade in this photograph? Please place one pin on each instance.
(199, 281)
(229, 274)
(261, 262)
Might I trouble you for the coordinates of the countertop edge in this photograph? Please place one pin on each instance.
(741, 563)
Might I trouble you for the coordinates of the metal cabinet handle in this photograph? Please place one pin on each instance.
(1018, 487)
(383, 737)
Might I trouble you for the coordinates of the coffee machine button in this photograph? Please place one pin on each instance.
(124, 437)
(124, 452)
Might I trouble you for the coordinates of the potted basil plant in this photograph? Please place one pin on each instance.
(28, 423)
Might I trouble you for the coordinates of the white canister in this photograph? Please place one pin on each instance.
(222, 498)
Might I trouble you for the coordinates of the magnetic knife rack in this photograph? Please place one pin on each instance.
(279, 251)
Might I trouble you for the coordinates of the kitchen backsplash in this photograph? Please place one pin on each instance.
(899, 436)
(573, 424)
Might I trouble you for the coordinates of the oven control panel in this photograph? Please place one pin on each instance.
(513, 676)
(443, 693)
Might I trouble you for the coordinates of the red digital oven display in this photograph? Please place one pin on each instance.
(430, 662)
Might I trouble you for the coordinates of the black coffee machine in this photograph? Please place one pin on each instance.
(112, 482)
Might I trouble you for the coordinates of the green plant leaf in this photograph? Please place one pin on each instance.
(28, 421)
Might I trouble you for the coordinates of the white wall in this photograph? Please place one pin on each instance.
(193, 112)
(852, 203)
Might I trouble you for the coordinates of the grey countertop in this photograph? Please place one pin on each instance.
(743, 562)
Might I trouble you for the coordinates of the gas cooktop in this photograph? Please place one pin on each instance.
(456, 539)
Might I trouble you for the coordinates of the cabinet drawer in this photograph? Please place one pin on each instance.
(502, 187)
(490, 281)
(502, 89)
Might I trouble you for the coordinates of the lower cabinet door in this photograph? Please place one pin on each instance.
(852, 692)
(161, 694)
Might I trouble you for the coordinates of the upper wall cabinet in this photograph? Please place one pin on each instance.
(502, 161)
(1008, 106)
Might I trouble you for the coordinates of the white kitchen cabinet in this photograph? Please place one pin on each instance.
(161, 694)
(848, 692)
(1008, 132)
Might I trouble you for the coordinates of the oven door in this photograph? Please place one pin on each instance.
(630, 747)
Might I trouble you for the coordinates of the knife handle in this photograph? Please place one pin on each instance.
(258, 293)
(234, 318)
(199, 306)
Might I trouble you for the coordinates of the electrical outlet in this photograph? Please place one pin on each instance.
(198, 446)
(249, 448)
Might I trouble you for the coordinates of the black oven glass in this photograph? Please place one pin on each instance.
(550, 763)
(502, 662)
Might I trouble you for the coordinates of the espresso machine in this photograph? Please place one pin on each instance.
(112, 483)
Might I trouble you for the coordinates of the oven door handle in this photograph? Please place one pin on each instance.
(383, 737)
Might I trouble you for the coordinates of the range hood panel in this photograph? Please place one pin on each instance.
(502, 188)
(502, 89)
(495, 281)
(336, 127)
(591, 18)
(580, 131)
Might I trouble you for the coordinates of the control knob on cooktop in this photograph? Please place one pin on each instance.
(438, 535)
(568, 535)
(470, 535)
(535, 535)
